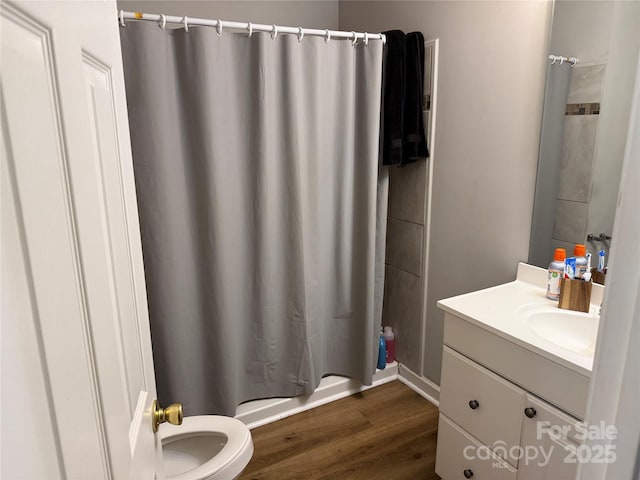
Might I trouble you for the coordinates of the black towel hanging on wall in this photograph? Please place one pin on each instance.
(403, 136)
(414, 142)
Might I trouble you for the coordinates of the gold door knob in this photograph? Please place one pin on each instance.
(171, 414)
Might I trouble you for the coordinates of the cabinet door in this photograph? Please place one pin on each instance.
(548, 443)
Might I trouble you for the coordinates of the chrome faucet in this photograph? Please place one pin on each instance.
(592, 237)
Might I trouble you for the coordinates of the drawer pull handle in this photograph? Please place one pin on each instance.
(473, 404)
(468, 473)
(530, 412)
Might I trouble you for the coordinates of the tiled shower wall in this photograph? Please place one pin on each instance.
(578, 151)
(403, 286)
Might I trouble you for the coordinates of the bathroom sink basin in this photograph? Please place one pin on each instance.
(573, 331)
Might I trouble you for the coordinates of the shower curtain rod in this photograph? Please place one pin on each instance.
(249, 27)
(559, 59)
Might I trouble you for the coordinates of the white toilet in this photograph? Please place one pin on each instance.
(205, 447)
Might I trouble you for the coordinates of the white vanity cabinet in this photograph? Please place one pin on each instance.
(515, 380)
(491, 428)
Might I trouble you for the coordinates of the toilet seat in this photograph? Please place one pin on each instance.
(227, 462)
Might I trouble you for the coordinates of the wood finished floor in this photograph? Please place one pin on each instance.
(388, 432)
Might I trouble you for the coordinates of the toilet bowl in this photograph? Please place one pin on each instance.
(206, 447)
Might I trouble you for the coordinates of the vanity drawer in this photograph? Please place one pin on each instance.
(458, 453)
(482, 403)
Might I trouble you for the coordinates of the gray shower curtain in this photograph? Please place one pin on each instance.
(262, 210)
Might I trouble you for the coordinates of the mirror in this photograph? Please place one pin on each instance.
(584, 127)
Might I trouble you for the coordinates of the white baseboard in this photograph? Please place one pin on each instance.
(260, 412)
(421, 385)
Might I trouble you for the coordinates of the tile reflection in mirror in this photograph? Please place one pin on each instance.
(576, 162)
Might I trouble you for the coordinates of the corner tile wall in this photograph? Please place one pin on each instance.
(403, 287)
(577, 159)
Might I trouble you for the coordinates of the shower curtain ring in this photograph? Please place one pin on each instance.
(327, 36)
(300, 34)
(561, 60)
(355, 39)
(274, 32)
(366, 38)
(219, 27)
(163, 21)
(250, 29)
(121, 17)
(185, 20)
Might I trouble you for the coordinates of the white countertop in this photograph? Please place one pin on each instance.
(499, 310)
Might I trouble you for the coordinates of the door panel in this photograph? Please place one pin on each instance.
(100, 100)
(72, 197)
(21, 356)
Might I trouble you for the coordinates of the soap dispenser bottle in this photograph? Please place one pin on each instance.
(556, 272)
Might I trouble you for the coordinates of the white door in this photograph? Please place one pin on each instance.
(77, 368)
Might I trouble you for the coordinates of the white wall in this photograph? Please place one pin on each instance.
(491, 85)
(306, 13)
(581, 28)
